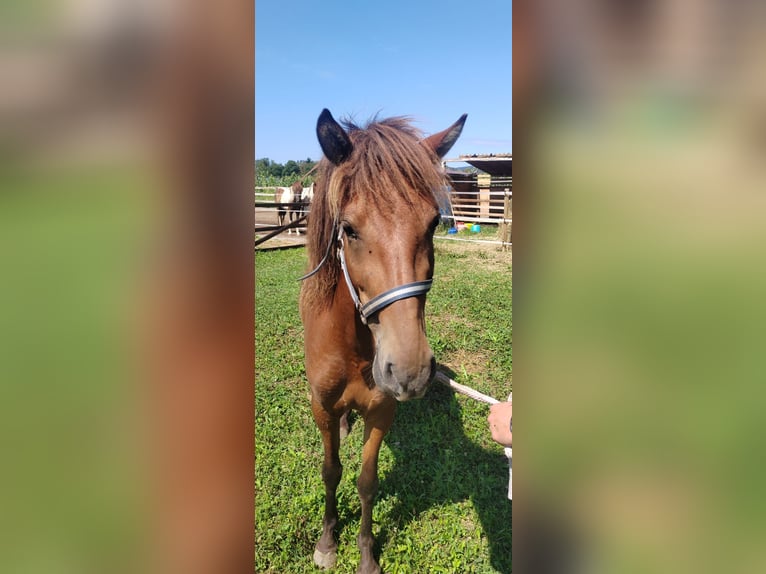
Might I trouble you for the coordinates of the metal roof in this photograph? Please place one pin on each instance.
(498, 165)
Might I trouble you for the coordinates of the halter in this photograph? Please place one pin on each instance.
(384, 299)
(380, 301)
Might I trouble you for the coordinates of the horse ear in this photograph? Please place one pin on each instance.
(443, 141)
(334, 140)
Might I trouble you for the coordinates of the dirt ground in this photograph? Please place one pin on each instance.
(269, 217)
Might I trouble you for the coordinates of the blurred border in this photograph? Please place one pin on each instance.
(127, 317)
(640, 139)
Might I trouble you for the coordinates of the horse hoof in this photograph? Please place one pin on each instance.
(325, 559)
(374, 569)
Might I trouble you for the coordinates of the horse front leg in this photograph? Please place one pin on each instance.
(296, 216)
(325, 553)
(375, 428)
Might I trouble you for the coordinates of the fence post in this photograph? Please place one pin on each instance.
(484, 183)
(507, 214)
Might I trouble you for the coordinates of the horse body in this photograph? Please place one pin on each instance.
(284, 197)
(307, 194)
(370, 239)
(289, 200)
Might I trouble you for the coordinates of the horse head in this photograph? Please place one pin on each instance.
(380, 189)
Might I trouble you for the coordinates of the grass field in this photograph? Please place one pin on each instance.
(442, 503)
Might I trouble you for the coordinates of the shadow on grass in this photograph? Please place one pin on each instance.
(435, 463)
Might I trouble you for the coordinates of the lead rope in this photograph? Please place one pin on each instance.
(474, 394)
(468, 391)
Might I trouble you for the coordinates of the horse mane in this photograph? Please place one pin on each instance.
(387, 162)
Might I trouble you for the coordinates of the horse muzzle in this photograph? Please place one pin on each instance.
(403, 380)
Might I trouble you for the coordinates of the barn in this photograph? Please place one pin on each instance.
(485, 196)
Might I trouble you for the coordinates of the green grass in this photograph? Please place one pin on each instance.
(442, 504)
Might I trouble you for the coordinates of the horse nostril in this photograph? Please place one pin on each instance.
(389, 370)
(433, 369)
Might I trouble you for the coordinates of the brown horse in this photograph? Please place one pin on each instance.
(370, 243)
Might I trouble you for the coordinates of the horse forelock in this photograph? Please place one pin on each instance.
(387, 164)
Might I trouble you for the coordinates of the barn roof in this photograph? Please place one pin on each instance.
(499, 165)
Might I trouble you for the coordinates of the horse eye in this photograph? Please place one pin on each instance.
(349, 231)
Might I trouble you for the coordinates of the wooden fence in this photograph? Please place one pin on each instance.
(482, 200)
(266, 223)
(488, 202)
(493, 207)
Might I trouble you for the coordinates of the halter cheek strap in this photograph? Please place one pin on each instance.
(326, 255)
(384, 299)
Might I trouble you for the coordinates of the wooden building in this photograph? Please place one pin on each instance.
(482, 196)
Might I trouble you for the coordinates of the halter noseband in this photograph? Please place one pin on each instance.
(380, 301)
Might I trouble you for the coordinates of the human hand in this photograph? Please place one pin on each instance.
(499, 420)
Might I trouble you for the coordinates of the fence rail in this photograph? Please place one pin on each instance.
(469, 219)
(490, 204)
(486, 241)
(487, 204)
(274, 205)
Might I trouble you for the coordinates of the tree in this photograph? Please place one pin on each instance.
(290, 168)
(271, 173)
(276, 169)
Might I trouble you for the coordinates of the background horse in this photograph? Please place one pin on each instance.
(289, 203)
(370, 243)
(307, 194)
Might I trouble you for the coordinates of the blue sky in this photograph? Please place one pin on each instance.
(431, 60)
